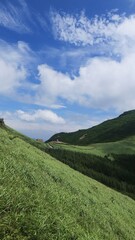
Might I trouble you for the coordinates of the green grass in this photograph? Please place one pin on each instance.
(14, 134)
(118, 173)
(43, 199)
(109, 163)
(125, 146)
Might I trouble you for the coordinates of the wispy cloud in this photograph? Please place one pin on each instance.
(132, 2)
(15, 16)
(18, 16)
(41, 20)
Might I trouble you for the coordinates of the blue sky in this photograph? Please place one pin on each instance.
(65, 65)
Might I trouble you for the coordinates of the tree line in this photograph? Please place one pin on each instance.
(118, 173)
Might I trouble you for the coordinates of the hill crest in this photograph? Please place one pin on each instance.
(109, 131)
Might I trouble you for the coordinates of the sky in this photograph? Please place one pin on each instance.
(65, 65)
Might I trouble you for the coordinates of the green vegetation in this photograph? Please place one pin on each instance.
(108, 131)
(125, 146)
(118, 173)
(43, 199)
(14, 134)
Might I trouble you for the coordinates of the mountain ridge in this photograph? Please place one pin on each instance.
(108, 131)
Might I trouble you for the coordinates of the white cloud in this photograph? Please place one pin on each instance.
(19, 17)
(42, 21)
(53, 85)
(103, 83)
(10, 77)
(15, 60)
(15, 17)
(44, 115)
(113, 30)
(35, 124)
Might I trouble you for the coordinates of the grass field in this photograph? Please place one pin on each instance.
(43, 199)
(125, 146)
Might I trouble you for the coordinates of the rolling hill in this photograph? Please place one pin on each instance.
(124, 146)
(108, 131)
(43, 199)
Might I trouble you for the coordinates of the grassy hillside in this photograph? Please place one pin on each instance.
(125, 146)
(110, 163)
(108, 131)
(14, 134)
(118, 173)
(43, 199)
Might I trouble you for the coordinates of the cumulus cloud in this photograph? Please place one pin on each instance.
(52, 85)
(10, 77)
(15, 62)
(45, 115)
(40, 126)
(103, 83)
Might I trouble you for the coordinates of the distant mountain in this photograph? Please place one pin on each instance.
(108, 131)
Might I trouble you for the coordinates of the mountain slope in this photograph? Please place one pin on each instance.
(108, 131)
(124, 146)
(42, 198)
